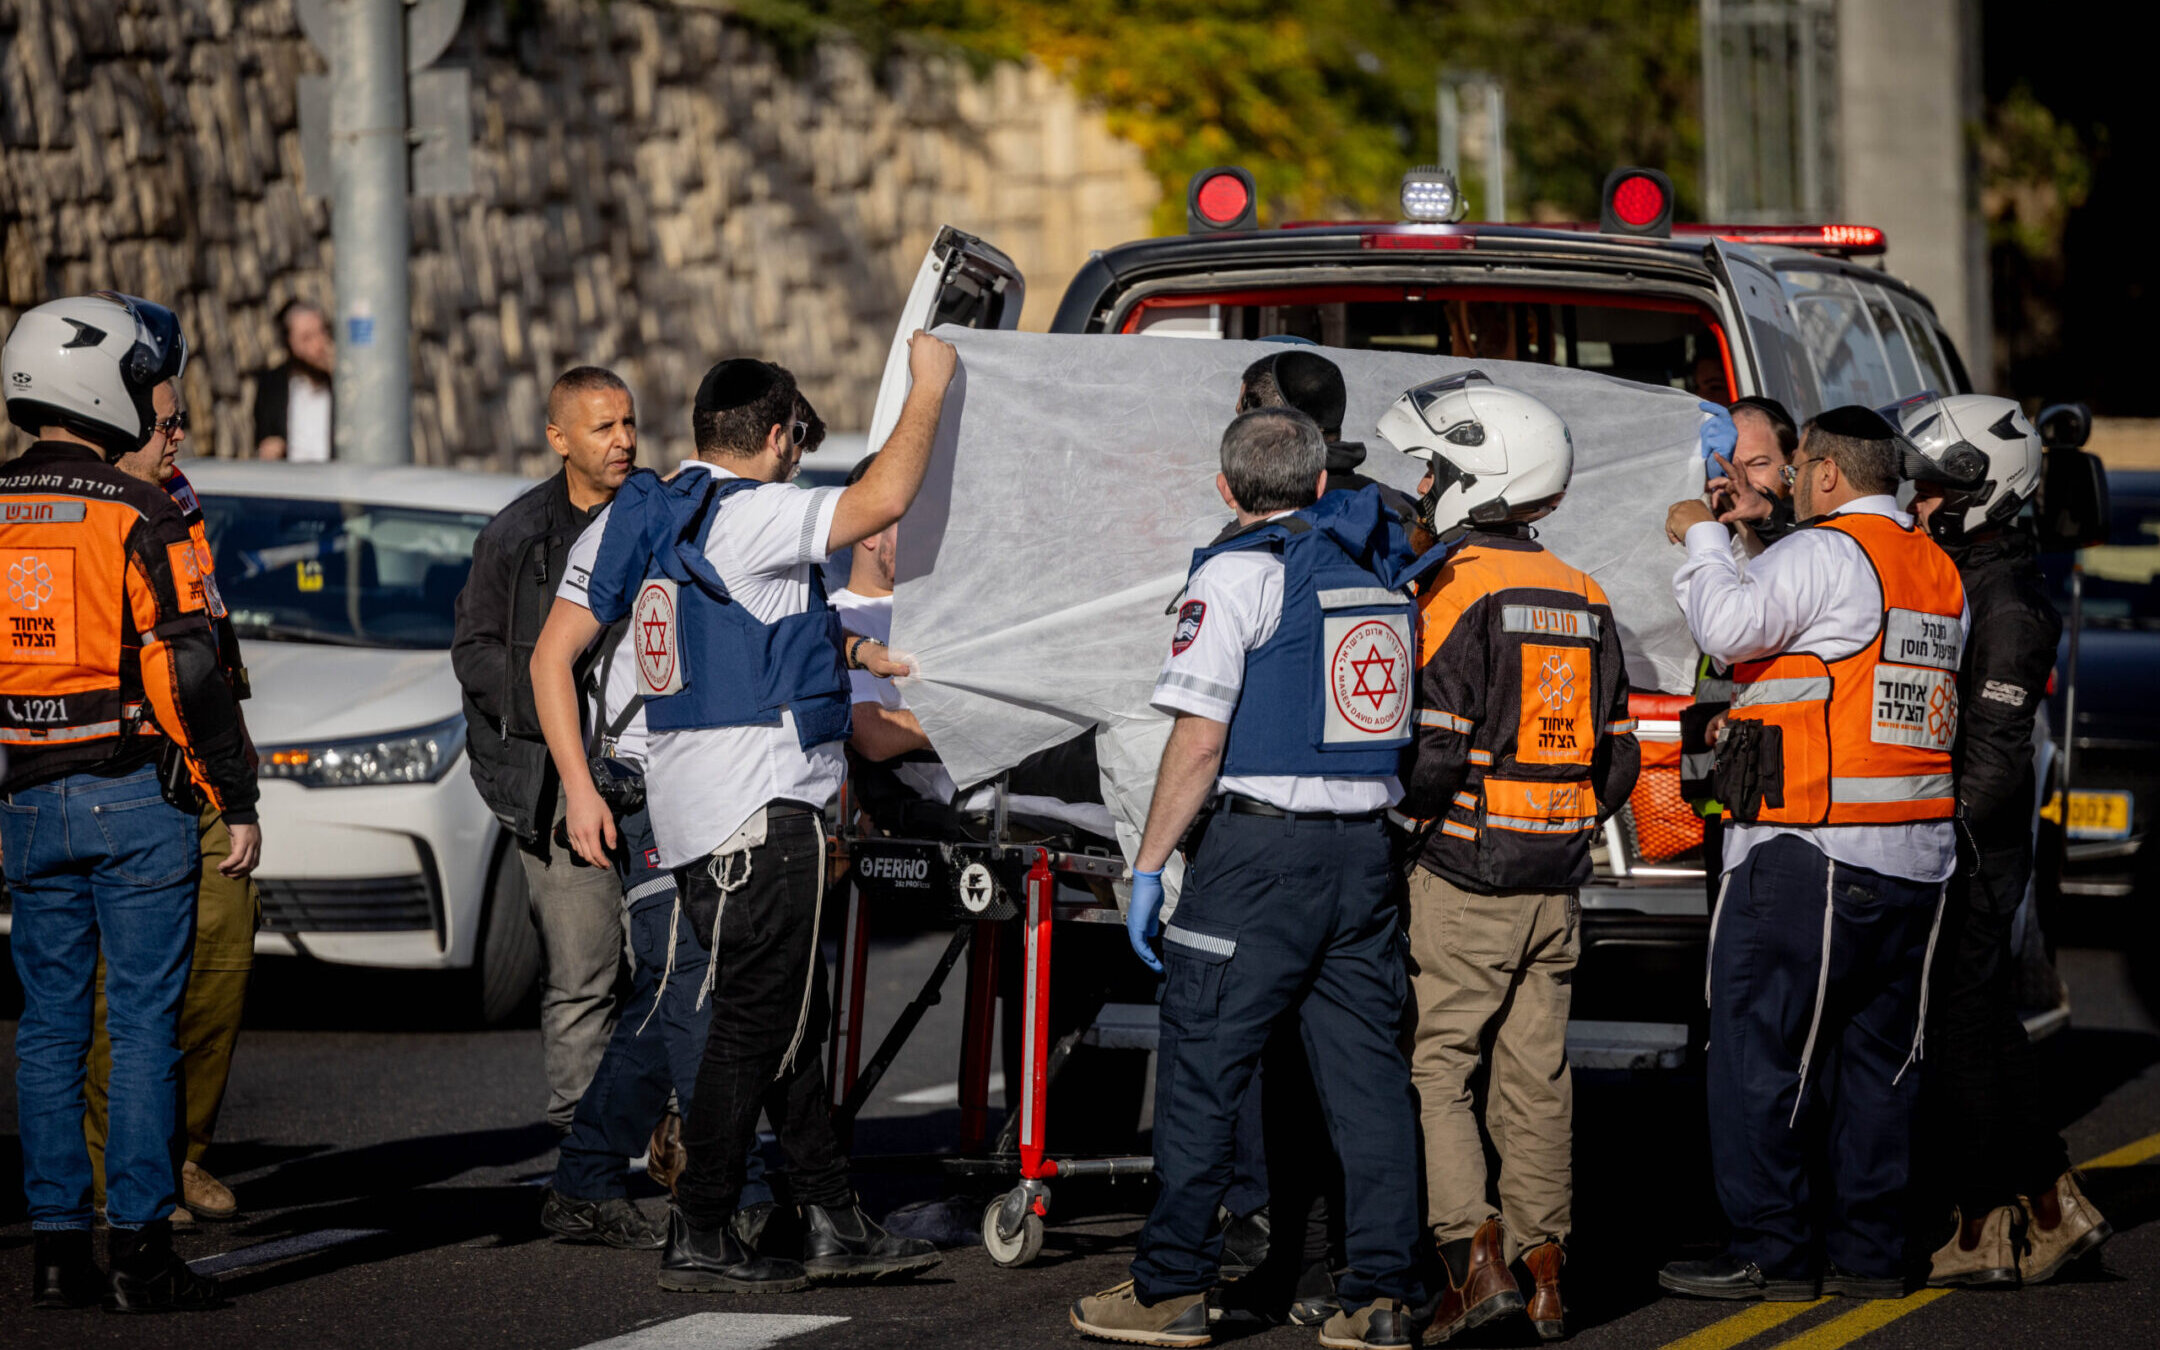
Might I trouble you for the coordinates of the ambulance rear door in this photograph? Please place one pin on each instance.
(964, 281)
(1783, 369)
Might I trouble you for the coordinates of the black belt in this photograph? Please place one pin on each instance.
(1252, 806)
(776, 809)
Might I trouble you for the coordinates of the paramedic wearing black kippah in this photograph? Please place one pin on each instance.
(741, 661)
(1312, 384)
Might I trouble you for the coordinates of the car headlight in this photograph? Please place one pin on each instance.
(421, 755)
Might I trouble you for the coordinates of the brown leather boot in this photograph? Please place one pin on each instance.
(665, 1158)
(1488, 1289)
(1543, 1262)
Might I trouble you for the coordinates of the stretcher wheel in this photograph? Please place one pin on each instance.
(1024, 1246)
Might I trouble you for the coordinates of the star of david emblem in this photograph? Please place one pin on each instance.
(1556, 683)
(656, 635)
(1364, 668)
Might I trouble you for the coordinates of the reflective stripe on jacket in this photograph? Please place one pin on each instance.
(1866, 739)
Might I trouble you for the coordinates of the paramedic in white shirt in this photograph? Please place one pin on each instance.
(737, 810)
(1844, 638)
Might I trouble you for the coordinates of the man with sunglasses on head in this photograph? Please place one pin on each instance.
(117, 708)
(744, 669)
(1835, 772)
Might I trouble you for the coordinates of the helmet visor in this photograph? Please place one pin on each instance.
(160, 350)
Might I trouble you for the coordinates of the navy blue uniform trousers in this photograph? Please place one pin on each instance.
(1296, 917)
(1815, 1171)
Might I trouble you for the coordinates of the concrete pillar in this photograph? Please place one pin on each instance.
(1908, 91)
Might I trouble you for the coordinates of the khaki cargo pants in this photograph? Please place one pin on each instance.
(226, 914)
(1493, 973)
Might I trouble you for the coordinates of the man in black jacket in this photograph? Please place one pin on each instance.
(2002, 1165)
(518, 563)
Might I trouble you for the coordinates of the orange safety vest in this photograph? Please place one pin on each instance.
(1865, 739)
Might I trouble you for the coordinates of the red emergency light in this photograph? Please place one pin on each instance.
(1637, 202)
(1842, 239)
(1220, 199)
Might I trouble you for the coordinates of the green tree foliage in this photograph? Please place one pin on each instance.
(1328, 101)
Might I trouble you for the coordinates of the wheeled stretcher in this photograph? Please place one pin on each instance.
(983, 883)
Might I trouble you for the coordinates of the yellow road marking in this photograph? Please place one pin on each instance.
(1873, 1315)
(2129, 1155)
(1749, 1322)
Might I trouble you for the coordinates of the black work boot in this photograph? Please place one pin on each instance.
(711, 1261)
(843, 1244)
(615, 1221)
(148, 1278)
(67, 1274)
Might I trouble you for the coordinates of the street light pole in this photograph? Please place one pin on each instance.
(369, 228)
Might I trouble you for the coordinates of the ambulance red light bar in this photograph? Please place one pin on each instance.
(1845, 240)
(1637, 202)
(1220, 199)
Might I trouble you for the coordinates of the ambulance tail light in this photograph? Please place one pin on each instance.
(1220, 199)
(1637, 202)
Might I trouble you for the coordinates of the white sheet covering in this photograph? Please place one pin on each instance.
(1074, 476)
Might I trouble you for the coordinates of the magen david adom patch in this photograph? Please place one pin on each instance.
(655, 630)
(1368, 677)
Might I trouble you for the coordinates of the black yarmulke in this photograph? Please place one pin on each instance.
(1768, 407)
(1309, 383)
(734, 383)
(1860, 423)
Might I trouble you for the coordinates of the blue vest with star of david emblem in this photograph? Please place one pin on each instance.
(1330, 694)
(737, 670)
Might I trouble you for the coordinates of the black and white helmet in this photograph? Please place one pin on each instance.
(1496, 453)
(89, 363)
(1987, 456)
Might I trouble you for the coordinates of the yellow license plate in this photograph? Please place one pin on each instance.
(2098, 815)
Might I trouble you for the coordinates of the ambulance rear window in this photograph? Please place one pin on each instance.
(1649, 339)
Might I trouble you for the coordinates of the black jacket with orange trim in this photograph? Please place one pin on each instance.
(109, 635)
(1524, 744)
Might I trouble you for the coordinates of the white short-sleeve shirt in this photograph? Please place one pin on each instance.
(1232, 605)
(701, 786)
(620, 666)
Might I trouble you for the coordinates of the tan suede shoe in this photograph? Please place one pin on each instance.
(2077, 1229)
(205, 1197)
(1117, 1314)
(1979, 1254)
(1382, 1324)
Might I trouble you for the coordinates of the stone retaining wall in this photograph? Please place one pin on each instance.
(654, 189)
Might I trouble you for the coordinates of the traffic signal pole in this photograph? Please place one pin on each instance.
(369, 157)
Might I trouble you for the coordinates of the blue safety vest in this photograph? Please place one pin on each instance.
(1330, 694)
(737, 670)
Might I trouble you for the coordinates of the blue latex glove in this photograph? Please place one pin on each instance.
(1719, 436)
(1143, 920)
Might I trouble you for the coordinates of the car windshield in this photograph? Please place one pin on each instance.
(1649, 339)
(347, 573)
(2122, 576)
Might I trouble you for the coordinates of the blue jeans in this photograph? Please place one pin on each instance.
(645, 1060)
(1284, 919)
(100, 861)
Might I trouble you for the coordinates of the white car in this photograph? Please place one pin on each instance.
(377, 850)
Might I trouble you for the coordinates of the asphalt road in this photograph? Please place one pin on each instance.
(390, 1173)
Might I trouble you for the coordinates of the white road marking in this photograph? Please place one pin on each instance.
(944, 1094)
(279, 1249)
(718, 1331)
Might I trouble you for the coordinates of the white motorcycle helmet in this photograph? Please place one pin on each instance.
(89, 363)
(1496, 454)
(1984, 451)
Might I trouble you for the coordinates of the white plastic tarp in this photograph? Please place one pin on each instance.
(1074, 476)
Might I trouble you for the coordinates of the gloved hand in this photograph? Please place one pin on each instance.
(1143, 920)
(1718, 434)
